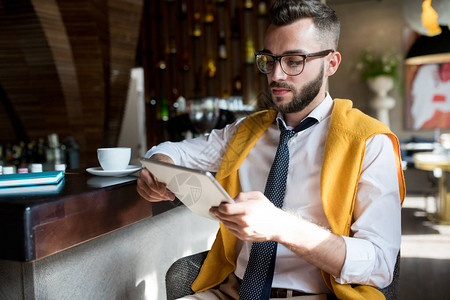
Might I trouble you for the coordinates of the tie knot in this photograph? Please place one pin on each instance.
(285, 134)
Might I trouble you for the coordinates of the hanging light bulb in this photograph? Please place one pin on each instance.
(430, 19)
(426, 16)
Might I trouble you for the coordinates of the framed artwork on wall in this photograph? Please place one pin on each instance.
(427, 91)
(427, 81)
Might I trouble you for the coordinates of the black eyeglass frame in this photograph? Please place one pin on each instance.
(275, 58)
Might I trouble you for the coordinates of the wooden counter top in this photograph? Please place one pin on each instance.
(33, 225)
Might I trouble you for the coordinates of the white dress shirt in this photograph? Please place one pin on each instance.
(372, 250)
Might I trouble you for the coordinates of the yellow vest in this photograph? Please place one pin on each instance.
(343, 154)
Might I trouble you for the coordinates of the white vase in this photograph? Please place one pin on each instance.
(382, 103)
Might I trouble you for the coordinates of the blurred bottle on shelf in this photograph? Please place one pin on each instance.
(41, 151)
(35, 168)
(164, 110)
(23, 159)
(209, 15)
(8, 170)
(72, 152)
(222, 45)
(197, 31)
(22, 170)
(16, 154)
(39, 155)
(262, 8)
(180, 105)
(249, 51)
(248, 4)
(55, 152)
(237, 86)
(211, 68)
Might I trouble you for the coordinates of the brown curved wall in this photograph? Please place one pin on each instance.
(64, 68)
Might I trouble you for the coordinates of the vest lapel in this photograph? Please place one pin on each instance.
(243, 141)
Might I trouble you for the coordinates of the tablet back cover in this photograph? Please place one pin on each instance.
(197, 189)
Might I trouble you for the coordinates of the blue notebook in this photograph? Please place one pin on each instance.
(26, 179)
(42, 189)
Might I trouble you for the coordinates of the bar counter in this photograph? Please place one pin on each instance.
(86, 226)
(36, 224)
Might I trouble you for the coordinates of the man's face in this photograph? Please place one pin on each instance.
(293, 93)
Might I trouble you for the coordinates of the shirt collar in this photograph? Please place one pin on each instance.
(322, 111)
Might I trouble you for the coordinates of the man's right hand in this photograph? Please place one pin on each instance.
(150, 188)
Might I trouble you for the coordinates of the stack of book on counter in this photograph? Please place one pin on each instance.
(31, 183)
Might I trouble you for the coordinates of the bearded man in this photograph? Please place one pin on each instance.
(317, 185)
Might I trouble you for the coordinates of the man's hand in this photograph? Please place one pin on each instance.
(251, 218)
(150, 188)
(254, 218)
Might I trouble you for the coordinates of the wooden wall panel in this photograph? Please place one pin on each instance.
(84, 38)
(25, 67)
(58, 41)
(64, 68)
(8, 52)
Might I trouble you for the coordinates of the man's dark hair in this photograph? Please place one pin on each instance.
(285, 12)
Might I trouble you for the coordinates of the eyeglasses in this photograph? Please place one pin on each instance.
(291, 64)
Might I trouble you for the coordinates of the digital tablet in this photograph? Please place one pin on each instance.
(197, 189)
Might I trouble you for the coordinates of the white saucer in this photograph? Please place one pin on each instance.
(117, 173)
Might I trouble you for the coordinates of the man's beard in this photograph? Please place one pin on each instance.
(301, 98)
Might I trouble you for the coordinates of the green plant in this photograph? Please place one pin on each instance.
(372, 65)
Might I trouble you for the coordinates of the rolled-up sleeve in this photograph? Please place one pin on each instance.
(372, 249)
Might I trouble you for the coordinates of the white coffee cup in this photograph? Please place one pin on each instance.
(116, 158)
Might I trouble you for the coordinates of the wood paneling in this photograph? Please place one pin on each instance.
(64, 68)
